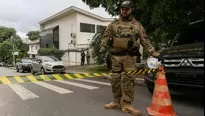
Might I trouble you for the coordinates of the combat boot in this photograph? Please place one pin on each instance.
(127, 107)
(112, 105)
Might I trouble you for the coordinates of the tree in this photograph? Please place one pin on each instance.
(10, 45)
(10, 42)
(157, 13)
(6, 33)
(95, 45)
(33, 35)
(6, 51)
(162, 19)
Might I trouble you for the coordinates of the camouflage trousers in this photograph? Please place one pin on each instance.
(123, 85)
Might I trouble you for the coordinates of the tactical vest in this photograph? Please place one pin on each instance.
(125, 36)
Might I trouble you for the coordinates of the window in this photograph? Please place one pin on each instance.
(32, 48)
(56, 37)
(89, 28)
(100, 28)
(36, 47)
(26, 60)
(37, 59)
(49, 59)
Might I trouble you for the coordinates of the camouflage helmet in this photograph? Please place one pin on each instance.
(127, 3)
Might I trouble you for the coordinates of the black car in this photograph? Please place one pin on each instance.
(24, 65)
(183, 60)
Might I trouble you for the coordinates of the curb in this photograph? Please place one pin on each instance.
(51, 77)
(75, 72)
(36, 78)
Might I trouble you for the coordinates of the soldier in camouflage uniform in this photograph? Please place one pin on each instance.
(127, 34)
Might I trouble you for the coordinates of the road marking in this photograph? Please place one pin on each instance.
(44, 77)
(54, 88)
(104, 74)
(23, 93)
(57, 77)
(32, 78)
(78, 84)
(96, 74)
(78, 75)
(18, 79)
(68, 76)
(5, 80)
(88, 75)
(96, 82)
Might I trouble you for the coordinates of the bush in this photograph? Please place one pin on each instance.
(51, 52)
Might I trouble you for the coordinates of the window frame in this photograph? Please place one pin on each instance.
(84, 27)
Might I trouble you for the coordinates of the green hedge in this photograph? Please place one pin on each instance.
(51, 52)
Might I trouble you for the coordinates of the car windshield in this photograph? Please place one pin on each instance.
(189, 36)
(49, 59)
(26, 60)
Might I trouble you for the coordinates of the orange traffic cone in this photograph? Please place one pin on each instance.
(161, 100)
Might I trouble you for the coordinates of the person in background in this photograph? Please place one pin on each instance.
(88, 57)
(82, 58)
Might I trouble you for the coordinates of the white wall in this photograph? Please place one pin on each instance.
(67, 25)
(33, 49)
(83, 37)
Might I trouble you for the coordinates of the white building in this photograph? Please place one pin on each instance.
(34, 46)
(69, 29)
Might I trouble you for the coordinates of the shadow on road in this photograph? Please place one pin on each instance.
(196, 100)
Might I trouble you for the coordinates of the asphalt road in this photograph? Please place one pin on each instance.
(79, 98)
(4, 71)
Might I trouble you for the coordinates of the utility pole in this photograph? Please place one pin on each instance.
(13, 51)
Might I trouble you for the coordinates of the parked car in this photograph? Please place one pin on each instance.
(24, 65)
(47, 64)
(183, 60)
(8, 64)
(1, 64)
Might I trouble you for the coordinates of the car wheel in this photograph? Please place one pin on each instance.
(23, 70)
(63, 73)
(17, 69)
(42, 71)
(32, 71)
